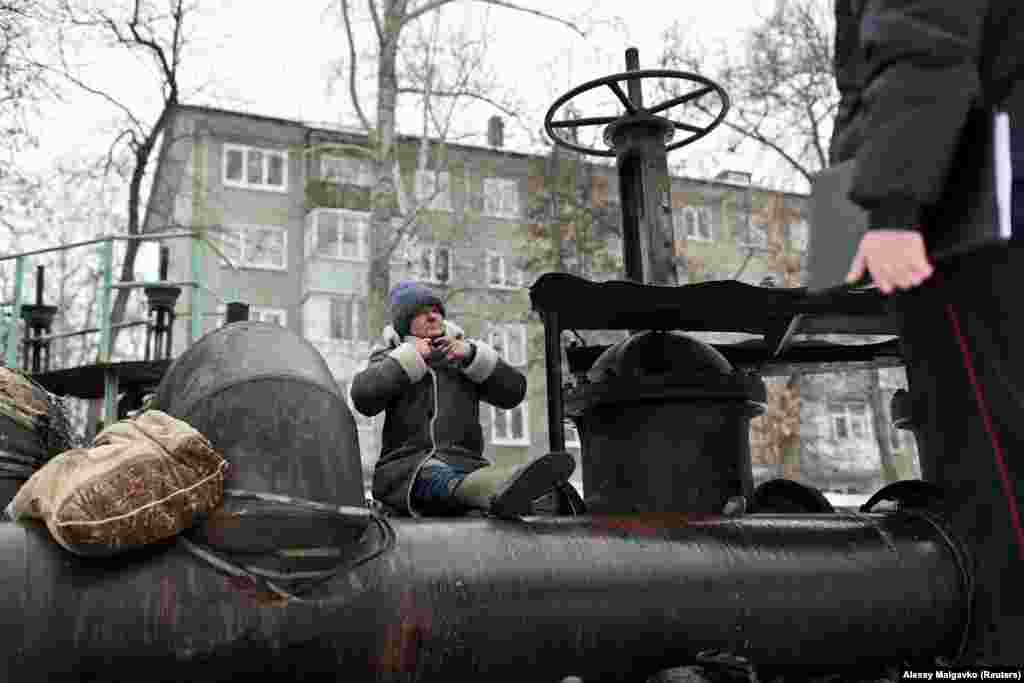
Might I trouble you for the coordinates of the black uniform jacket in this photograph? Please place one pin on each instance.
(919, 82)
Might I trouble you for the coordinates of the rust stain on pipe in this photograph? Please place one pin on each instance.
(404, 638)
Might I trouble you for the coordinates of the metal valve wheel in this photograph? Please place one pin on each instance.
(635, 112)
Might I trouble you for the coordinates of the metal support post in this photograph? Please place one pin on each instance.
(196, 327)
(111, 389)
(12, 337)
(553, 361)
(107, 271)
(644, 188)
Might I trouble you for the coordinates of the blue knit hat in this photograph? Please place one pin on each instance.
(406, 300)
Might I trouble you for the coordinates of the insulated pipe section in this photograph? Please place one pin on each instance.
(604, 598)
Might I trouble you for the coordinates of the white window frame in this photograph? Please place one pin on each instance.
(345, 218)
(501, 197)
(756, 235)
(524, 410)
(426, 189)
(845, 411)
(572, 435)
(354, 170)
(355, 321)
(895, 438)
(405, 251)
(255, 313)
(258, 312)
(239, 232)
(695, 217)
(431, 276)
(799, 235)
(509, 277)
(502, 331)
(244, 183)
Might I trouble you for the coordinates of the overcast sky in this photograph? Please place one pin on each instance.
(275, 59)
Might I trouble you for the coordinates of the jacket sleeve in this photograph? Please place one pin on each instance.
(921, 79)
(389, 372)
(501, 384)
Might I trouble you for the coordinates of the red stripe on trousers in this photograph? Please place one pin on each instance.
(1004, 474)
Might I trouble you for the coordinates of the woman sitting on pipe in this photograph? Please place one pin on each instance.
(429, 379)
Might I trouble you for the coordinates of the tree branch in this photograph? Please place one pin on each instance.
(157, 50)
(375, 15)
(353, 91)
(464, 93)
(65, 73)
(437, 4)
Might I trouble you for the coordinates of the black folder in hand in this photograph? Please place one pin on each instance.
(964, 218)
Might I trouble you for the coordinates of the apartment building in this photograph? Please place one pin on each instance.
(288, 203)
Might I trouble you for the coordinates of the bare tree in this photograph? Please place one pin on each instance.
(783, 94)
(158, 32)
(24, 86)
(22, 82)
(391, 24)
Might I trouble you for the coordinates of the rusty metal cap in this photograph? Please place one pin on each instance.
(660, 354)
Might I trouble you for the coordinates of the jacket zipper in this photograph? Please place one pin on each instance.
(433, 449)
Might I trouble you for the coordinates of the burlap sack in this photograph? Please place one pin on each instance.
(142, 481)
(19, 400)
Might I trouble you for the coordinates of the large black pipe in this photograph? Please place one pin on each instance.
(604, 598)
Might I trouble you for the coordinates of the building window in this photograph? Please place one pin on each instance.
(339, 234)
(346, 170)
(510, 343)
(255, 169)
(501, 197)
(433, 189)
(502, 275)
(266, 314)
(572, 435)
(257, 246)
(404, 251)
(894, 438)
(798, 235)
(434, 265)
(754, 234)
(850, 421)
(348, 316)
(693, 223)
(277, 316)
(510, 427)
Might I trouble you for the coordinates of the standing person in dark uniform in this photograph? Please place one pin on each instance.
(430, 380)
(932, 114)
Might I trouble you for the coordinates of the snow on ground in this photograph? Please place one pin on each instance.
(846, 500)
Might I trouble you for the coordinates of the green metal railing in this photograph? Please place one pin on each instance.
(105, 326)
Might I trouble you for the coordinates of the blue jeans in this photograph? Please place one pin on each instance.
(433, 488)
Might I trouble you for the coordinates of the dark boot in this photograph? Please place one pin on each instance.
(509, 491)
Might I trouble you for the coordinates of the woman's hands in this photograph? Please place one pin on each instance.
(436, 348)
(455, 350)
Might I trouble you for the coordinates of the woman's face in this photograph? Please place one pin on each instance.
(428, 322)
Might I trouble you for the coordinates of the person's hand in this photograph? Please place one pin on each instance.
(424, 347)
(455, 350)
(895, 258)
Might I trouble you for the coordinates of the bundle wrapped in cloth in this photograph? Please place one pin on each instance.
(143, 480)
